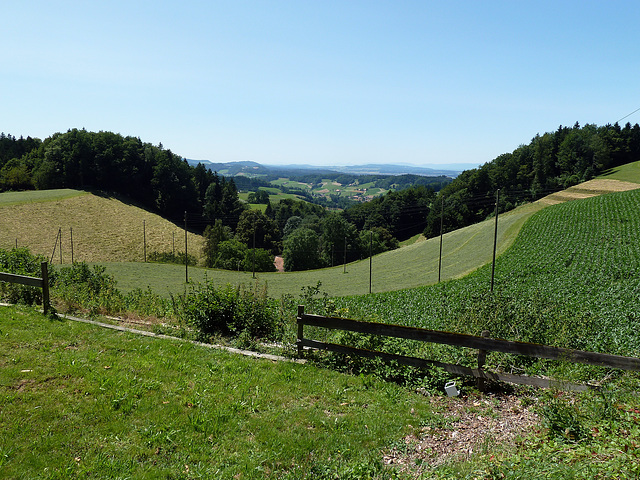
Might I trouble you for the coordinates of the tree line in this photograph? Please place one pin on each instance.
(307, 235)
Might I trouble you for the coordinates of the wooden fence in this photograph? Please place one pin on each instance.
(483, 344)
(32, 282)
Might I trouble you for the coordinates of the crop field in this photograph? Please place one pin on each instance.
(571, 279)
(103, 228)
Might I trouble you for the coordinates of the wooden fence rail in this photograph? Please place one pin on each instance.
(482, 344)
(32, 282)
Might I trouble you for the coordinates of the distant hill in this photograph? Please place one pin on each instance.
(253, 168)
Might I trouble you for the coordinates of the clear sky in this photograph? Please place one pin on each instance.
(319, 81)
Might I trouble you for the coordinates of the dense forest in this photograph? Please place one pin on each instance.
(308, 235)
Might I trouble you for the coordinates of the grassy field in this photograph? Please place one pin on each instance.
(17, 198)
(413, 265)
(626, 173)
(570, 279)
(410, 266)
(109, 231)
(78, 401)
(104, 228)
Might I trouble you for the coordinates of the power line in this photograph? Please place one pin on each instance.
(636, 110)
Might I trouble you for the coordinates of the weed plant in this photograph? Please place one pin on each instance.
(229, 310)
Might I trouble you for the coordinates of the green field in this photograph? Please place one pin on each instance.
(17, 198)
(104, 228)
(79, 401)
(410, 266)
(626, 173)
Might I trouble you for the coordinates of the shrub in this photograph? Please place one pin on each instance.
(79, 286)
(231, 310)
(169, 257)
(20, 261)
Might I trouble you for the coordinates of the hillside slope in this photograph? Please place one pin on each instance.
(105, 229)
(463, 251)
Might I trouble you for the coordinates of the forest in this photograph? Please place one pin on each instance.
(309, 235)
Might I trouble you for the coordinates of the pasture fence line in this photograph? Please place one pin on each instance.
(32, 282)
(483, 344)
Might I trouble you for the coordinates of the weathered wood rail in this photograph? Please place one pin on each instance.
(483, 344)
(32, 282)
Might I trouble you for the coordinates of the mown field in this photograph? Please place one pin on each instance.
(104, 228)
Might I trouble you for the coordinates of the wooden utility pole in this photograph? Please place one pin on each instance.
(495, 240)
(370, 257)
(186, 256)
(144, 239)
(71, 235)
(345, 256)
(441, 232)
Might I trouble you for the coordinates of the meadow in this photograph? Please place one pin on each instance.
(77, 401)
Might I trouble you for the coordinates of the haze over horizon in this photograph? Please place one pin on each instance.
(332, 83)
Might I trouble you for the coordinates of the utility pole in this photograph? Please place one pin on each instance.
(71, 235)
(370, 257)
(345, 256)
(186, 256)
(441, 231)
(144, 239)
(495, 240)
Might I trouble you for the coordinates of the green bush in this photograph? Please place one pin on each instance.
(80, 287)
(20, 261)
(169, 257)
(229, 310)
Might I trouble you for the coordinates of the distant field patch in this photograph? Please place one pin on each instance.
(626, 173)
(34, 196)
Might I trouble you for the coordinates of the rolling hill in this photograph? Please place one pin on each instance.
(109, 230)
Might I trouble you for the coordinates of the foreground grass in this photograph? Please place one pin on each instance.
(80, 401)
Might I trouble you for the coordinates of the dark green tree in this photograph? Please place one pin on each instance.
(301, 251)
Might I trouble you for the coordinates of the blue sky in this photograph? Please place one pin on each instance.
(320, 82)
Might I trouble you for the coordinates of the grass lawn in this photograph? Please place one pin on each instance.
(77, 401)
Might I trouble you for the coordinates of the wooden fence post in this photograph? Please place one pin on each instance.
(45, 287)
(482, 358)
(300, 329)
